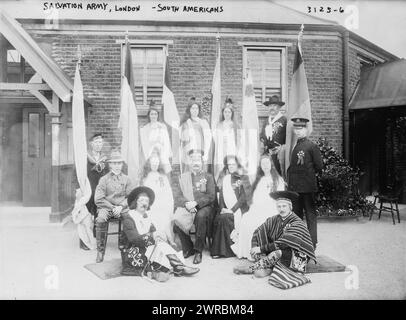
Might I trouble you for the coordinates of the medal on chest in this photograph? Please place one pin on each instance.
(300, 157)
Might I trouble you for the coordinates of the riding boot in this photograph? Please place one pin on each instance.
(101, 237)
(179, 269)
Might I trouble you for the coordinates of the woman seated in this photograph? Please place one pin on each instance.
(144, 249)
(161, 211)
(234, 189)
(263, 206)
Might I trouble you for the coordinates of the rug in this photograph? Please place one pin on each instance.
(324, 264)
(106, 269)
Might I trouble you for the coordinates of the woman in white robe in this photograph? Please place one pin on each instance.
(195, 134)
(154, 136)
(161, 211)
(227, 137)
(263, 206)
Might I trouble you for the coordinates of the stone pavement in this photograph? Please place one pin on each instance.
(31, 249)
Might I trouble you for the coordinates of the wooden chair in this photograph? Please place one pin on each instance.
(118, 232)
(390, 196)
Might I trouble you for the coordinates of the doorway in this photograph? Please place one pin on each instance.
(36, 157)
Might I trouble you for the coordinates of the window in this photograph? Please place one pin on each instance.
(267, 66)
(148, 68)
(18, 70)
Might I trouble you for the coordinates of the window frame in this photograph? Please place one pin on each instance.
(164, 46)
(283, 49)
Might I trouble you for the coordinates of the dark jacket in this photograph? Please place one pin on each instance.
(203, 199)
(133, 246)
(278, 137)
(242, 193)
(302, 170)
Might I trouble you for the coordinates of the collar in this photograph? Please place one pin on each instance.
(116, 175)
(284, 219)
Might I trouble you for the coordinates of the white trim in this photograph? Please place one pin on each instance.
(147, 42)
(177, 31)
(24, 86)
(264, 44)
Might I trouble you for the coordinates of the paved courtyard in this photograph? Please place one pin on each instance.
(31, 250)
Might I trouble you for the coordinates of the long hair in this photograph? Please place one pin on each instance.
(225, 160)
(224, 171)
(187, 115)
(149, 112)
(260, 173)
(147, 166)
(222, 112)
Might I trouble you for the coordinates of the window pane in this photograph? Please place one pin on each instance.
(33, 135)
(13, 56)
(265, 65)
(148, 74)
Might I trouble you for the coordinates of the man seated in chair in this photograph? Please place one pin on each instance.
(195, 205)
(283, 241)
(145, 249)
(111, 199)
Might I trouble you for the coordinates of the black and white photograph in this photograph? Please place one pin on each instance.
(202, 150)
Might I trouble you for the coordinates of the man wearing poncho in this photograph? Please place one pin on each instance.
(281, 246)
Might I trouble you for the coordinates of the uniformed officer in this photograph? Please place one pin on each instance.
(273, 133)
(305, 162)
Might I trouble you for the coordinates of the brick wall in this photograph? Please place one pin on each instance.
(192, 61)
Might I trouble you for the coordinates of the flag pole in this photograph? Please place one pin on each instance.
(79, 56)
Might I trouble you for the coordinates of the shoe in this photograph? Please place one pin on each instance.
(82, 245)
(100, 257)
(179, 269)
(198, 258)
(189, 253)
(243, 269)
(185, 271)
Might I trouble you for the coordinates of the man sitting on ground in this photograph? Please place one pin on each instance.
(281, 246)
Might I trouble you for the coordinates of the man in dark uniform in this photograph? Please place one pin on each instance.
(96, 168)
(197, 197)
(305, 162)
(273, 133)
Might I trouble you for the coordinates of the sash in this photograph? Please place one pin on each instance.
(268, 128)
(230, 200)
(186, 185)
(183, 218)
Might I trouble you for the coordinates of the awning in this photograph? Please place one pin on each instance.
(381, 86)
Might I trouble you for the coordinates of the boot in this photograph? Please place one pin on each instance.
(101, 237)
(82, 245)
(179, 269)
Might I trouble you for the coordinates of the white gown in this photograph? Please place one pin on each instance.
(161, 211)
(263, 207)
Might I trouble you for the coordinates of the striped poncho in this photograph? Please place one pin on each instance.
(291, 232)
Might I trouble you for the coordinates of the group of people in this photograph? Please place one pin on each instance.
(261, 222)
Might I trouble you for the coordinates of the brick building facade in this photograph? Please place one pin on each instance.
(333, 58)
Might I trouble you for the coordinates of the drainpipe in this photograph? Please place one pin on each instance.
(346, 94)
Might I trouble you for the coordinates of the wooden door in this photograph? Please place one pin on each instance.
(37, 157)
